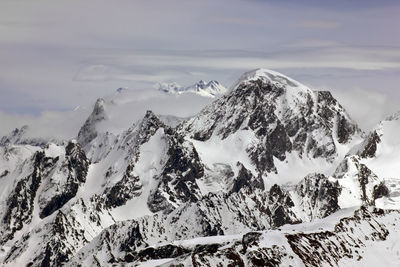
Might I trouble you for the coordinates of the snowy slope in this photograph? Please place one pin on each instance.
(381, 151)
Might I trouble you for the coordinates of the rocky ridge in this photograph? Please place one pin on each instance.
(211, 89)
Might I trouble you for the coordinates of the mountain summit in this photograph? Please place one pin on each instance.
(266, 74)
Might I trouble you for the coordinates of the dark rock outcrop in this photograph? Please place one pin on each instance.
(20, 203)
(88, 131)
(279, 209)
(319, 196)
(76, 167)
(246, 179)
(370, 145)
(178, 178)
(125, 189)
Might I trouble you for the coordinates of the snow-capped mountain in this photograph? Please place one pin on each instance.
(272, 173)
(211, 89)
(274, 122)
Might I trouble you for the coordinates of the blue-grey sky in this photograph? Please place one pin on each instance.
(56, 55)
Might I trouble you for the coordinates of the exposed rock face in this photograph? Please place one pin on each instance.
(137, 135)
(88, 131)
(359, 182)
(179, 175)
(328, 109)
(279, 209)
(380, 191)
(318, 195)
(59, 179)
(20, 202)
(4, 173)
(57, 252)
(369, 146)
(345, 129)
(149, 125)
(246, 179)
(125, 189)
(75, 167)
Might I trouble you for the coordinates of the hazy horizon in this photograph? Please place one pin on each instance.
(60, 55)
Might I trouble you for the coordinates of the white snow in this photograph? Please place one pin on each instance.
(386, 163)
(294, 168)
(217, 152)
(154, 263)
(273, 76)
(53, 150)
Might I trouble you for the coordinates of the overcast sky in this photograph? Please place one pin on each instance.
(56, 55)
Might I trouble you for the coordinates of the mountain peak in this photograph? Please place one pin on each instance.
(99, 107)
(88, 131)
(150, 116)
(201, 82)
(269, 76)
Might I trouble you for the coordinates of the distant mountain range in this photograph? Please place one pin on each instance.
(210, 89)
(271, 173)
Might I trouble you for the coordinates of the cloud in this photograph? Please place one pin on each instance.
(318, 24)
(49, 124)
(122, 65)
(123, 109)
(103, 73)
(312, 43)
(367, 107)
